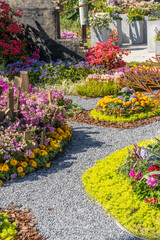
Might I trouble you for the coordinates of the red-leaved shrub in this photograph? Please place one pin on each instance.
(107, 54)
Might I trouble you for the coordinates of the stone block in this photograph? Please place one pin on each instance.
(99, 35)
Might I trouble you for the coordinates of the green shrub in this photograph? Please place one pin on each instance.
(114, 192)
(7, 229)
(96, 89)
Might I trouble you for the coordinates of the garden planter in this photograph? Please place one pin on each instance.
(116, 25)
(157, 47)
(136, 32)
(156, 13)
(145, 29)
(125, 29)
(99, 35)
(151, 34)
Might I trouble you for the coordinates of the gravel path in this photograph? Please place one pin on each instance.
(74, 216)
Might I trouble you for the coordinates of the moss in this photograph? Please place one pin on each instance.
(99, 115)
(114, 192)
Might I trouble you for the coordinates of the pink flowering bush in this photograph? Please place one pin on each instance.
(19, 156)
(143, 167)
(107, 54)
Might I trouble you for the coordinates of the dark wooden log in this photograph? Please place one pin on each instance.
(43, 134)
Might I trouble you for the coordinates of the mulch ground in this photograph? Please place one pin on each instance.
(84, 117)
(26, 227)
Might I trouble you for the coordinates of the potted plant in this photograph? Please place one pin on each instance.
(135, 21)
(152, 23)
(99, 23)
(157, 41)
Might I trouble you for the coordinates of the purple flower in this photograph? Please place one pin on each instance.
(13, 176)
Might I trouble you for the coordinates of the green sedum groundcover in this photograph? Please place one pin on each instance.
(99, 115)
(114, 192)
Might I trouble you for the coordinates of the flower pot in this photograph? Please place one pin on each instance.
(136, 32)
(99, 35)
(145, 29)
(157, 47)
(125, 28)
(116, 25)
(151, 34)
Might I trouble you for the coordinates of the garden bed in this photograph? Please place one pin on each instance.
(84, 117)
(114, 191)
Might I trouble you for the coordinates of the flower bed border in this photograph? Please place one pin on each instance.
(113, 191)
(98, 115)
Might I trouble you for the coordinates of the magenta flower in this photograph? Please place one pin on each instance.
(132, 173)
(151, 181)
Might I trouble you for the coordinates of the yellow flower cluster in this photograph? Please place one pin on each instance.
(141, 100)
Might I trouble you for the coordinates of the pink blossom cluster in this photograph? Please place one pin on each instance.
(136, 175)
(67, 34)
(112, 75)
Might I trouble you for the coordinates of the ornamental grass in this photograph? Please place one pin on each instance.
(113, 190)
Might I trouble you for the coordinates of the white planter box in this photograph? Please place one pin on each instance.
(136, 32)
(99, 35)
(157, 47)
(151, 34)
(116, 25)
(125, 28)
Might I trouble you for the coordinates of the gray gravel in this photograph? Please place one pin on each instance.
(74, 215)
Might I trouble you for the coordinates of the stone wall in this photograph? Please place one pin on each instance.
(42, 28)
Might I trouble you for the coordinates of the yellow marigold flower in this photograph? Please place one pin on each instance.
(20, 169)
(22, 175)
(116, 101)
(134, 100)
(54, 145)
(43, 153)
(143, 104)
(50, 148)
(43, 147)
(58, 141)
(24, 164)
(36, 150)
(13, 162)
(140, 98)
(124, 103)
(145, 98)
(136, 103)
(5, 168)
(120, 101)
(128, 103)
(32, 156)
(61, 137)
(48, 165)
(60, 150)
(33, 163)
(60, 131)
